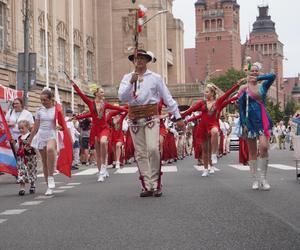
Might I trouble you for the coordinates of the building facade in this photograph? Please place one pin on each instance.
(96, 35)
(218, 45)
(264, 46)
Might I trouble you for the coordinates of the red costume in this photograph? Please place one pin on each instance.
(99, 125)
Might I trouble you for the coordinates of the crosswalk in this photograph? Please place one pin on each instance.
(172, 169)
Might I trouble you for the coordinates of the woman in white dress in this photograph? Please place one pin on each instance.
(43, 137)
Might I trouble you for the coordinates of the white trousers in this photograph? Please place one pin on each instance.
(146, 144)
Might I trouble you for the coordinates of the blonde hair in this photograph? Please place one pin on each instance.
(212, 89)
(25, 122)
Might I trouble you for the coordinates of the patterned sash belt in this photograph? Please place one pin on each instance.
(142, 111)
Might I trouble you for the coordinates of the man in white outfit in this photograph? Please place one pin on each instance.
(143, 89)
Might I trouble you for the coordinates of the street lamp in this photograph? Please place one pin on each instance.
(209, 75)
(156, 14)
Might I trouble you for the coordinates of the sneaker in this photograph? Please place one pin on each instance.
(32, 189)
(264, 185)
(255, 185)
(100, 177)
(157, 193)
(22, 192)
(117, 165)
(51, 183)
(49, 191)
(146, 193)
(214, 159)
(205, 173)
(211, 170)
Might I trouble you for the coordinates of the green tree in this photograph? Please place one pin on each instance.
(226, 81)
(274, 111)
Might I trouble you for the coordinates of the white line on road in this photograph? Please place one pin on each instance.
(31, 203)
(168, 169)
(201, 168)
(89, 171)
(129, 170)
(2, 220)
(13, 211)
(73, 183)
(66, 187)
(42, 175)
(239, 167)
(44, 197)
(283, 167)
(58, 191)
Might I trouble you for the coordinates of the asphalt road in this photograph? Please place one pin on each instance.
(216, 212)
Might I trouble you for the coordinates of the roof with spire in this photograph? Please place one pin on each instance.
(263, 22)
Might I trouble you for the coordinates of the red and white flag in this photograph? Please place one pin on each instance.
(64, 141)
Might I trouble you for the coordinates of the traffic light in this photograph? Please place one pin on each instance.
(141, 15)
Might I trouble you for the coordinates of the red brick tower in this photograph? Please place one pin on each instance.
(218, 43)
(263, 46)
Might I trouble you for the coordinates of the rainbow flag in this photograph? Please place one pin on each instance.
(8, 163)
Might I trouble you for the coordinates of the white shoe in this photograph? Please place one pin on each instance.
(255, 185)
(51, 183)
(214, 159)
(211, 170)
(205, 173)
(264, 185)
(100, 177)
(117, 165)
(49, 192)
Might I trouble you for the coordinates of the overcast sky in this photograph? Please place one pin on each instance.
(285, 14)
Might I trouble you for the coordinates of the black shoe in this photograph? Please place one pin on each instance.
(157, 193)
(74, 168)
(22, 192)
(145, 193)
(32, 190)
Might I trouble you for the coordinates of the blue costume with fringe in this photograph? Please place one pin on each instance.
(254, 121)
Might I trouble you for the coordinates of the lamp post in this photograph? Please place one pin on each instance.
(156, 14)
(209, 75)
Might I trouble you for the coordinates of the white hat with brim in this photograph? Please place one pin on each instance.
(141, 52)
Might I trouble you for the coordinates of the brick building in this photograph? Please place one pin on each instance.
(264, 46)
(218, 45)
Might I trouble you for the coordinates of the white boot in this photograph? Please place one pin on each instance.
(205, 172)
(211, 169)
(104, 171)
(253, 171)
(117, 165)
(214, 159)
(263, 165)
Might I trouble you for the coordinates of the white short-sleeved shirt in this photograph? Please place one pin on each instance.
(46, 117)
(13, 116)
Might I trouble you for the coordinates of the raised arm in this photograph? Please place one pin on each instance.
(268, 81)
(112, 107)
(230, 91)
(196, 107)
(83, 116)
(86, 99)
(194, 118)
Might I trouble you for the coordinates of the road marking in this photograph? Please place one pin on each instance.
(168, 169)
(201, 168)
(31, 203)
(42, 175)
(73, 183)
(239, 167)
(89, 171)
(44, 197)
(66, 187)
(13, 211)
(58, 191)
(283, 167)
(2, 220)
(128, 170)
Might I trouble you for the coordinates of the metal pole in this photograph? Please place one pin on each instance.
(46, 43)
(26, 52)
(72, 54)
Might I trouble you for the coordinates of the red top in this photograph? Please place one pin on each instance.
(98, 115)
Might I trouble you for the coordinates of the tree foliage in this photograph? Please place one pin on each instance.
(226, 81)
(274, 110)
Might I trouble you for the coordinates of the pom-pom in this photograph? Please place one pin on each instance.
(46, 89)
(258, 65)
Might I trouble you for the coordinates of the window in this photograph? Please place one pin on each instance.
(61, 55)
(220, 24)
(42, 49)
(207, 25)
(76, 61)
(219, 38)
(89, 66)
(207, 38)
(2, 26)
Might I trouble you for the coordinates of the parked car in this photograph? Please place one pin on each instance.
(234, 140)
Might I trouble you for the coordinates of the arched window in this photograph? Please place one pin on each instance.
(207, 25)
(220, 24)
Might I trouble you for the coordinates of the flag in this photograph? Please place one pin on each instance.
(8, 162)
(64, 142)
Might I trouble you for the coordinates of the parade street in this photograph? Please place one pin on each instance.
(215, 212)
